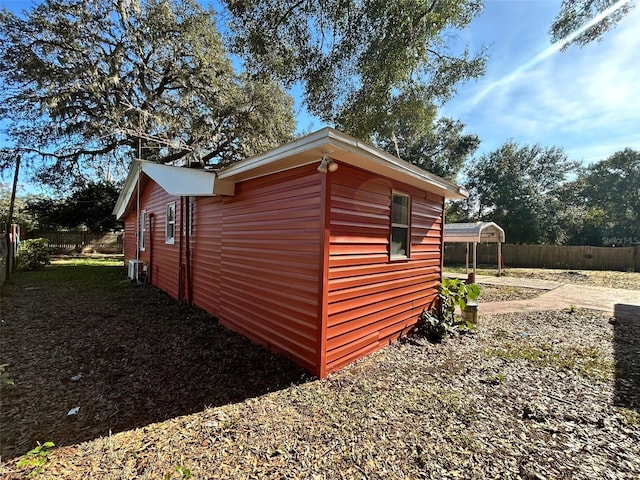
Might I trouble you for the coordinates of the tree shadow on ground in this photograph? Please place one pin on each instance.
(627, 346)
(128, 356)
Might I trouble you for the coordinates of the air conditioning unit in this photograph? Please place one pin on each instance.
(135, 267)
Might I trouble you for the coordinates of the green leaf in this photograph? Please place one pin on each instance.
(473, 291)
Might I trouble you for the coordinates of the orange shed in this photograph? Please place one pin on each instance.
(324, 249)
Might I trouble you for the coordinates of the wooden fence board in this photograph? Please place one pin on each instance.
(81, 242)
(582, 257)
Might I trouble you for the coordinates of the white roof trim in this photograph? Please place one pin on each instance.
(346, 149)
(343, 148)
(176, 181)
(479, 232)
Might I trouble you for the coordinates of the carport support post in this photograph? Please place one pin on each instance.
(466, 258)
(471, 278)
(499, 258)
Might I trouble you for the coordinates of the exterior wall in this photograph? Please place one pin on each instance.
(130, 235)
(372, 300)
(299, 261)
(270, 268)
(206, 253)
(164, 268)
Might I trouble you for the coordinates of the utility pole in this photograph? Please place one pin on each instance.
(9, 240)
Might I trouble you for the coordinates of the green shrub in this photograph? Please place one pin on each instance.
(36, 459)
(34, 254)
(4, 378)
(452, 293)
(433, 327)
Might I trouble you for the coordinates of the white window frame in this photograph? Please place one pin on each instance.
(143, 230)
(406, 226)
(170, 224)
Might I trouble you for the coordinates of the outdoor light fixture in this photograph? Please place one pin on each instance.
(327, 164)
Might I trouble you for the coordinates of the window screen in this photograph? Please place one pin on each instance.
(400, 226)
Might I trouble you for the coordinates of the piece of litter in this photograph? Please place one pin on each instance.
(524, 335)
(73, 411)
(75, 378)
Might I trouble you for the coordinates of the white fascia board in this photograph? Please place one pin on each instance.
(303, 144)
(388, 161)
(364, 156)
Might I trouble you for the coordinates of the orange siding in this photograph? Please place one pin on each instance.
(165, 262)
(299, 261)
(270, 264)
(130, 233)
(372, 300)
(206, 253)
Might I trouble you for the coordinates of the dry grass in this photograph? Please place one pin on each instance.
(500, 293)
(535, 395)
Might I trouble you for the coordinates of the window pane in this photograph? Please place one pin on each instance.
(143, 229)
(399, 240)
(170, 223)
(400, 212)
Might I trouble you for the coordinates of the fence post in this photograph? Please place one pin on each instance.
(636, 257)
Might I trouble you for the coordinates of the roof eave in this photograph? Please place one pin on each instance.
(385, 161)
(346, 149)
(127, 190)
(176, 181)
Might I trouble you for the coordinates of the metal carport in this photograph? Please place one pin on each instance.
(474, 233)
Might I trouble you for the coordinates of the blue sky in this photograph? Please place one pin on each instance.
(586, 99)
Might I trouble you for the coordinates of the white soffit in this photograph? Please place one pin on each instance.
(180, 181)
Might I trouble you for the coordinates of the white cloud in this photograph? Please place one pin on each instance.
(585, 99)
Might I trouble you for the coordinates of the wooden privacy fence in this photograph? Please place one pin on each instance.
(81, 242)
(581, 257)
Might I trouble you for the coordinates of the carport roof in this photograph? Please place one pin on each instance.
(478, 232)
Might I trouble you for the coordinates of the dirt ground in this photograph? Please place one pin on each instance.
(166, 392)
(83, 336)
(499, 293)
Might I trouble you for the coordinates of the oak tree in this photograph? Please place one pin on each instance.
(514, 186)
(576, 14)
(92, 83)
(609, 192)
(362, 64)
(440, 146)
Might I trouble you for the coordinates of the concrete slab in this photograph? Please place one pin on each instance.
(623, 303)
